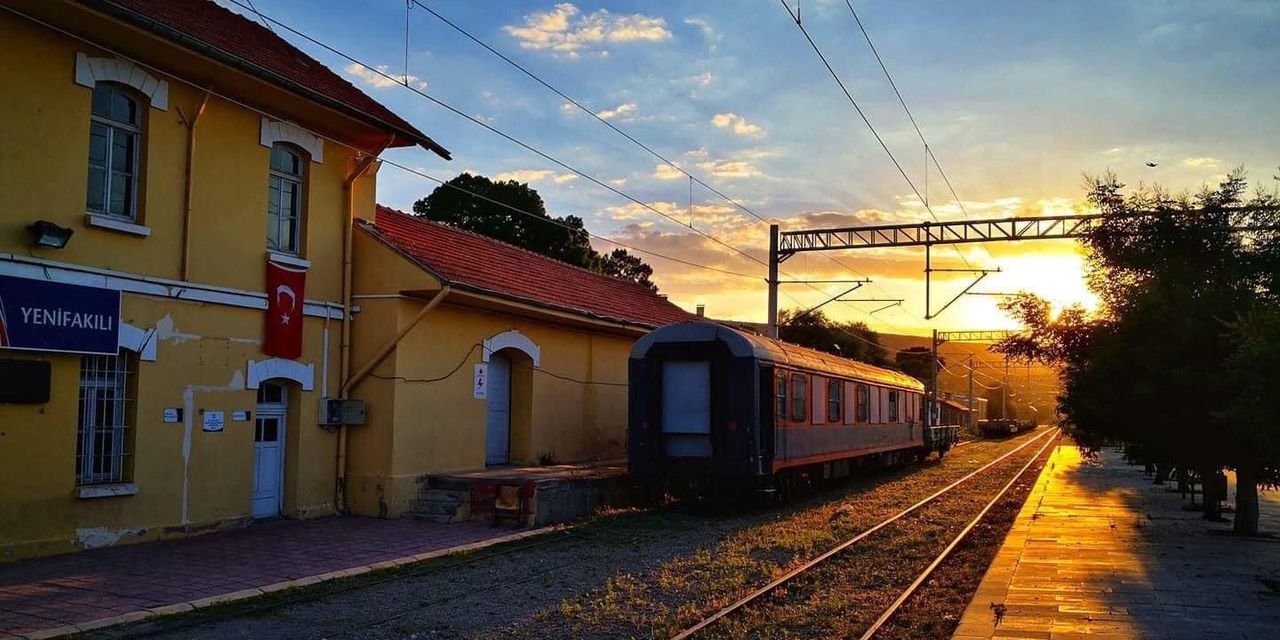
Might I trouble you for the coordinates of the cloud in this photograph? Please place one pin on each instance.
(377, 77)
(737, 124)
(730, 169)
(666, 172)
(709, 33)
(535, 175)
(566, 31)
(620, 110)
(1204, 162)
(704, 79)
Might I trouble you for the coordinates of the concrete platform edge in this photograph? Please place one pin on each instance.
(246, 594)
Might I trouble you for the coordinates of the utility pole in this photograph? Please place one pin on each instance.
(932, 420)
(1004, 391)
(971, 393)
(773, 281)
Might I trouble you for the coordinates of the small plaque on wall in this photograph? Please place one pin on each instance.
(241, 416)
(214, 421)
(171, 414)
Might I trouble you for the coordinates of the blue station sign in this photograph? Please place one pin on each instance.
(37, 315)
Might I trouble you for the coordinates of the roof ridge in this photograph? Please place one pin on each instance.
(535, 254)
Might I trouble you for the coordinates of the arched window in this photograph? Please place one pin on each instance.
(115, 135)
(285, 189)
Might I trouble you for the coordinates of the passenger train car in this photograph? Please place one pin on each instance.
(714, 410)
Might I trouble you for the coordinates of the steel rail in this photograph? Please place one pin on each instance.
(924, 575)
(788, 576)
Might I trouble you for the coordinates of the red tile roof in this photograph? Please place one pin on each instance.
(220, 33)
(474, 262)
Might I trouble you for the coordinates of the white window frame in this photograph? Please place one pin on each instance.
(299, 181)
(115, 128)
(99, 375)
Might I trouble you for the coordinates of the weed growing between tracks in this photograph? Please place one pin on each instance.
(843, 596)
(935, 610)
(660, 601)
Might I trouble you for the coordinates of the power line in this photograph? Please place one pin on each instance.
(345, 145)
(631, 138)
(492, 129)
(928, 149)
(512, 139)
(865, 119)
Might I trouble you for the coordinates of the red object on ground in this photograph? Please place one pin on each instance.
(285, 293)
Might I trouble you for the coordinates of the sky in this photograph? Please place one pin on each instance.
(1017, 100)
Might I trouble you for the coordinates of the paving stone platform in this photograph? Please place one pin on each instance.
(48, 597)
(1100, 552)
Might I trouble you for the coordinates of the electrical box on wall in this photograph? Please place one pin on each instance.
(24, 381)
(335, 413)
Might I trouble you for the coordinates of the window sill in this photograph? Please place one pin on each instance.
(288, 260)
(106, 490)
(116, 224)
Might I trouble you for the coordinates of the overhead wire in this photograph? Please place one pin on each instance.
(888, 76)
(616, 129)
(509, 137)
(496, 131)
(868, 123)
(348, 146)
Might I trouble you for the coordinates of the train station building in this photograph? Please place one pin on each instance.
(472, 352)
(177, 185)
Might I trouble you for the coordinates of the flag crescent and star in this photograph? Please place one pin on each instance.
(285, 294)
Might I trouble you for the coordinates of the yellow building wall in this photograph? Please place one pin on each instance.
(437, 425)
(44, 150)
(187, 479)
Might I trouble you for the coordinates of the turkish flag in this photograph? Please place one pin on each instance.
(285, 291)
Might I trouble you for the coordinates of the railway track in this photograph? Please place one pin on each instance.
(1046, 439)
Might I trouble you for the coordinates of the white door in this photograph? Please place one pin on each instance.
(498, 420)
(686, 408)
(268, 451)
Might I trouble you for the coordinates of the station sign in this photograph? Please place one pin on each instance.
(37, 315)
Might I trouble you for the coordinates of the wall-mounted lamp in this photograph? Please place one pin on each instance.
(48, 234)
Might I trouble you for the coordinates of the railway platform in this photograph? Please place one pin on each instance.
(88, 590)
(521, 496)
(1100, 552)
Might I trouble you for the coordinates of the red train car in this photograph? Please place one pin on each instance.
(715, 409)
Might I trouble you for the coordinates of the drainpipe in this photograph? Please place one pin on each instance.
(185, 268)
(348, 190)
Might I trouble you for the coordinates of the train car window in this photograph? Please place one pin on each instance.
(893, 406)
(835, 400)
(780, 397)
(863, 404)
(799, 397)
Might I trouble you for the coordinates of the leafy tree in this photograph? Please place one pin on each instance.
(815, 330)
(620, 264)
(494, 209)
(1164, 366)
(916, 363)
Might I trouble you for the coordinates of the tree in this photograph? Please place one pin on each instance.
(1163, 366)
(620, 264)
(815, 330)
(514, 213)
(916, 362)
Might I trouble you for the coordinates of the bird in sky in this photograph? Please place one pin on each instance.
(1152, 164)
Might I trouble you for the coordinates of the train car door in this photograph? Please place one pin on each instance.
(686, 408)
